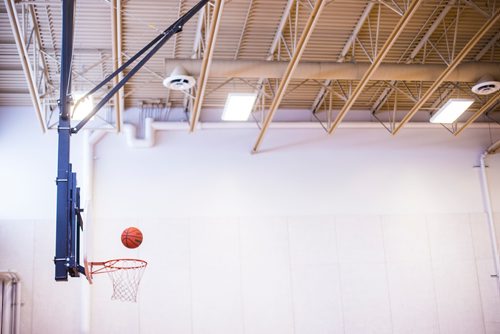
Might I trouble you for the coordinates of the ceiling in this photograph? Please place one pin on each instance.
(387, 61)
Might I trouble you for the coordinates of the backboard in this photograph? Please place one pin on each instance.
(67, 259)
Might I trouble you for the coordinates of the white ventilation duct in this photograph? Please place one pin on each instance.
(486, 85)
(465, 72)
(90, 140)
(179, 79)
(130, 131)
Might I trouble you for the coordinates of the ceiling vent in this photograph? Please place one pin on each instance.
(179, 79)
(486, 85)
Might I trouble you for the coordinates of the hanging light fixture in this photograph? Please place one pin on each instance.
(451, 111)
(238, 106)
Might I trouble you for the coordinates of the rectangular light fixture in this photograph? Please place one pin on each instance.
(84, 107)
(238, 106)
(451, 111)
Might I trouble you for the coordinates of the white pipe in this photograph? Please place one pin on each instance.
(87, 175)
(15, 285)
(90, 140)
(18, 304)
(491, 222)
(295, 125)
(151, 126)
(130, 133)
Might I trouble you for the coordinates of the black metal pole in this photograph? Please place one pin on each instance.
(63, 214)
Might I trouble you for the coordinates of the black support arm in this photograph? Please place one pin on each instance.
(155, 44)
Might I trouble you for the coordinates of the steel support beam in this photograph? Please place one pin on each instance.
(388, 91)
(432, 28)
(206, 63)
(444, 75)
(39, 43)
(478, 9)
(116, 47)
(198, 36)
(405, 19)
(366, 12)
(287, 77)
(243, 31)
(355, 32)
(24, 57)
(197, 49)
(489, 104)
(487, 47)
(274, 45)
(279, 31)
(119, 42)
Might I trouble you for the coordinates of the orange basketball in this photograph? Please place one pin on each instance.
(131, 237)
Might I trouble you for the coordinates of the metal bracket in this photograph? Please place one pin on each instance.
(65, 259)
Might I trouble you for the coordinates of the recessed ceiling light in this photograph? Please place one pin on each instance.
(451, 111)
(238, 106)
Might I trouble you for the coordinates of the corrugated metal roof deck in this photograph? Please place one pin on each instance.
(247, 31)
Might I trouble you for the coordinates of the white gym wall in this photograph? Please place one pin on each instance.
(359, 232)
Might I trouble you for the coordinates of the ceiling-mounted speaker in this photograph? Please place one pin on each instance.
(486, 85)
(179, 79)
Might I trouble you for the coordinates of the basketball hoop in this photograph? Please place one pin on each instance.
(125, 275)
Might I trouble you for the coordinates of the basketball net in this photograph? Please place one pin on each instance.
(125, 275)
